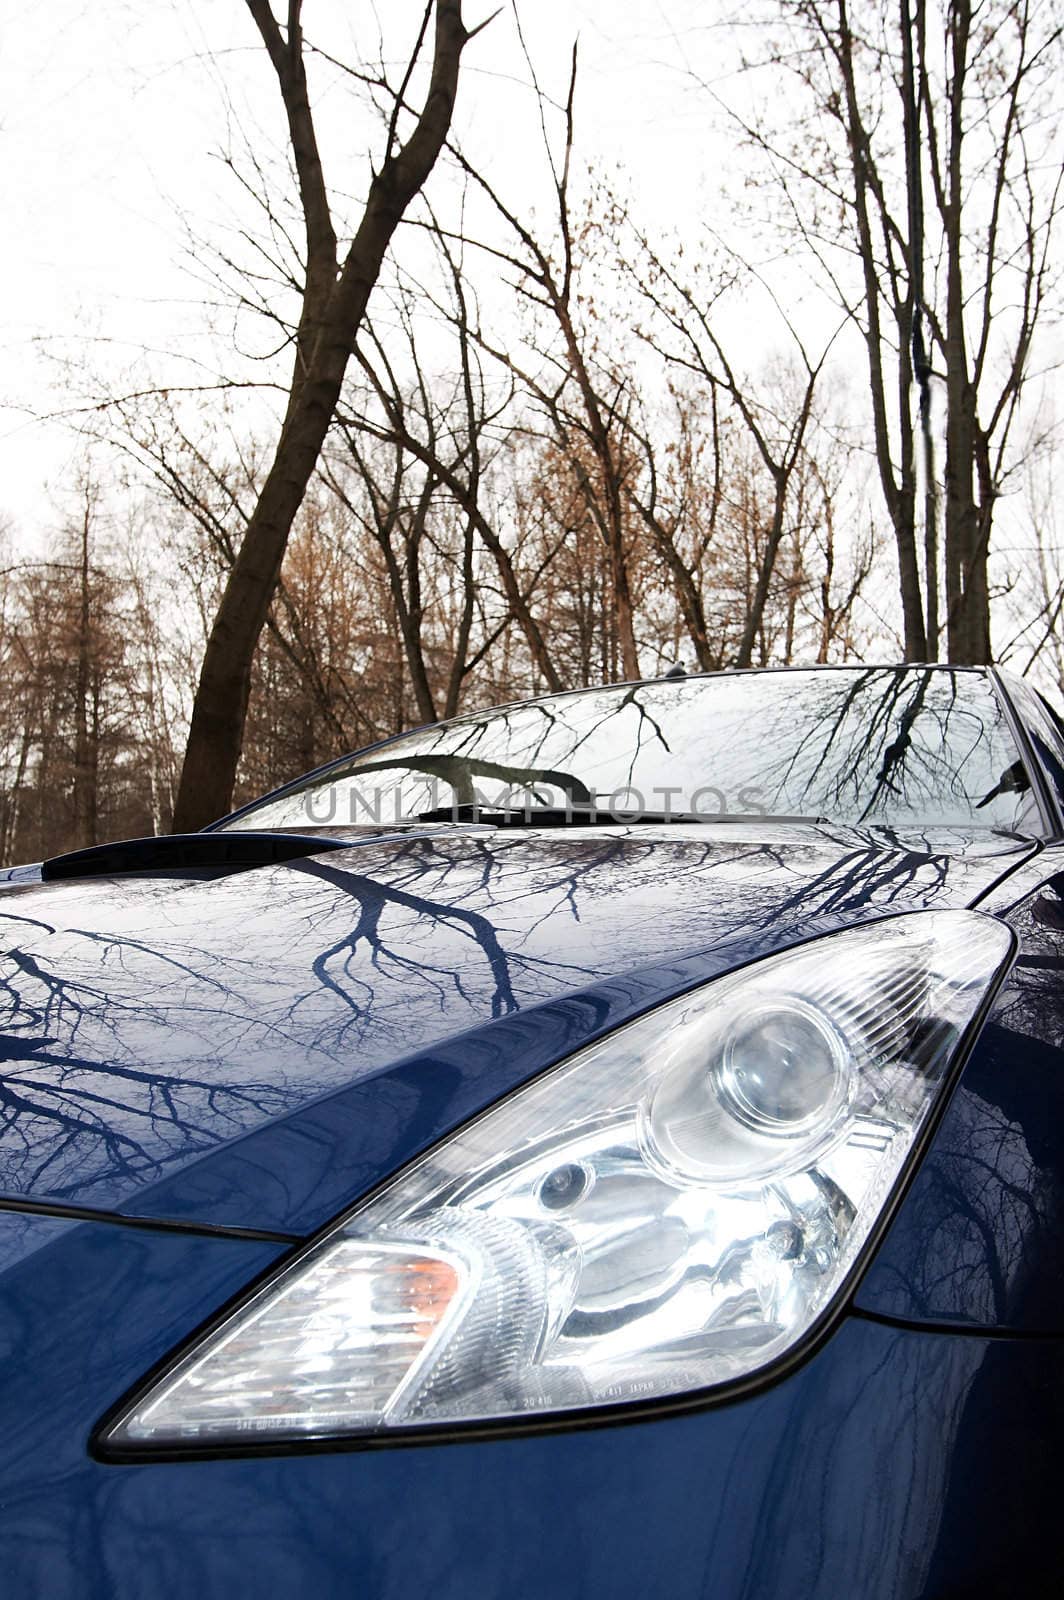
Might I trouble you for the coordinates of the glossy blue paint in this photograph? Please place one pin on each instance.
(980, 1238)
(258, 1049)
(871, 1471)
(80, 1304)
(150, 1021)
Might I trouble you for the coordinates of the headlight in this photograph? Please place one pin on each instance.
(672, 1209)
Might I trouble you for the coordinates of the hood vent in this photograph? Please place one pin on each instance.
(176, 852)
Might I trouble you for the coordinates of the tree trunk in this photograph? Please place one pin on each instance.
(967, 595)
(899, 491)
(85, 735)
(333, 309)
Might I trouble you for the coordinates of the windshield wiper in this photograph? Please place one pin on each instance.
(578, 816)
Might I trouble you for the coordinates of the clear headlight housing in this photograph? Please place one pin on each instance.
(672, 1209)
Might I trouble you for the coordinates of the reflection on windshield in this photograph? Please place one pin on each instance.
(890, 746)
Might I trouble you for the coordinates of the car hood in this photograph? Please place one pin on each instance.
(254, 1050)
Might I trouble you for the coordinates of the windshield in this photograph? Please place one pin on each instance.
(898, 747)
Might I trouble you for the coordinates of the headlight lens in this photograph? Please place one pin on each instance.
(671, 1209)
(784, 1071)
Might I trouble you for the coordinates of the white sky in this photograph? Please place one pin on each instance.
(113, 114)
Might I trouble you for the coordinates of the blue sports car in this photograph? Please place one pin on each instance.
(609, 1145)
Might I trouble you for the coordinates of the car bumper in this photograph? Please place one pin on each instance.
(893, 1462)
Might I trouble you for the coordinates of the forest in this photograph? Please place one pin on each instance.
(460, 432)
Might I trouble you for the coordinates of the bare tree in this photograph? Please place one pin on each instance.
(335, 294)
(690, 341)
(1034, 601)
(86, 683)
(72, 763)
(443, 430)
(579, 397)
(899, 111)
